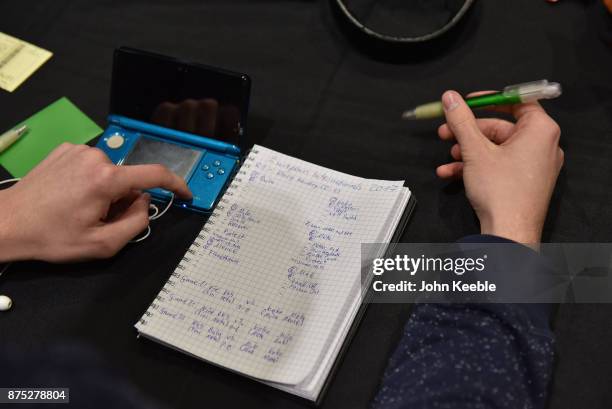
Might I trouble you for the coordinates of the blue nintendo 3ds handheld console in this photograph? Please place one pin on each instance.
(186, 116)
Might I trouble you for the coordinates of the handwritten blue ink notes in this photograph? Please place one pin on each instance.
(271, 285)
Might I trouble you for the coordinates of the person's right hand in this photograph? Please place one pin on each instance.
(509, 170)
(76, 205)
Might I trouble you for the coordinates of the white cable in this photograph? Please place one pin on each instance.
(6, 303)
(143, 237)
(6, 266)
(3, 182)
(156, 215)
(155, 210)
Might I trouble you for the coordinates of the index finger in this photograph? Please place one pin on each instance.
(144, 177)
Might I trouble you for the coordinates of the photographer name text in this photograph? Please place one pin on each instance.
(434, 286)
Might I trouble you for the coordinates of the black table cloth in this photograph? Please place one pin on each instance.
(320, 97)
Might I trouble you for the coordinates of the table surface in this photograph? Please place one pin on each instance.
(318, 97)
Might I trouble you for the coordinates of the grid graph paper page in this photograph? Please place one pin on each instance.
(260, 290)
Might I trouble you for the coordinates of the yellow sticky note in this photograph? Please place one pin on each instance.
(18, 60)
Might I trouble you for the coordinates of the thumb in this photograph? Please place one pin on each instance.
(128, 225)
(461, 121)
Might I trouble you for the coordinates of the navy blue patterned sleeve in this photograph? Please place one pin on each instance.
(471, 356)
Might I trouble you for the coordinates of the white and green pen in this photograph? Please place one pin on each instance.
(512, 94)
(10, 137)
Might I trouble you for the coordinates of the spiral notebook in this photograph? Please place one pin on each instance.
(271, 287)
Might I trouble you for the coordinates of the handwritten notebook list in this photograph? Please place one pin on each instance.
(260, 289)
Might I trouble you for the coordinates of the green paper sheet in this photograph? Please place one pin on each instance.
(59, 122)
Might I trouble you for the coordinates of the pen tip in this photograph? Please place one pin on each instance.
(21, 129)
(411, 114)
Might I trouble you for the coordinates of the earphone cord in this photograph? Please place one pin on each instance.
(4, 182)
(156, 215)
(4, 268)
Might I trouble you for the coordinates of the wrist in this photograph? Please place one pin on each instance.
(13, 244)
(518, 230)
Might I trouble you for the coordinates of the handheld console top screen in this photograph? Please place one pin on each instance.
(188, 97)
(186, 116)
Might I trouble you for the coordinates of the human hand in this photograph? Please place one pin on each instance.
(77, 205)
(509, 170)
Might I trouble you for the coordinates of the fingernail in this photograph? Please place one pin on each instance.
(450, 100)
